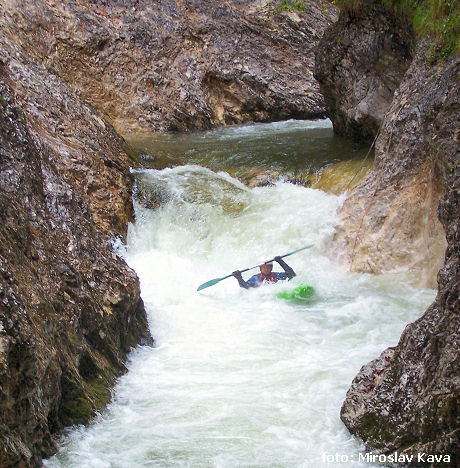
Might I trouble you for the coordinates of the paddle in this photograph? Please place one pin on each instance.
(217, 280)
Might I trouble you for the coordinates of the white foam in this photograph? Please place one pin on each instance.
(241, 378)
(261, 129)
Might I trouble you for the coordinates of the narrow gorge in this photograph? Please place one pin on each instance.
(116, 176)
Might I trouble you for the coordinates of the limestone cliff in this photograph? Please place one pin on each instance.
(177, 64)
(359, 64)
(407, 400)
(403, 215)
(389, 220)
(70, 309)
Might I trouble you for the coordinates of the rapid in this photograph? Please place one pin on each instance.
(241, 378)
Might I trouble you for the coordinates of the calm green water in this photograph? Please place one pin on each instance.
(291, 148)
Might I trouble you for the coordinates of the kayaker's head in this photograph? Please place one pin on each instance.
(266, 268)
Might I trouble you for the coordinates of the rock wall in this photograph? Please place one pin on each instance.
(360, 62)
(408, 399)
(70, 309)
(404, 214)
(389, 221)
(177, 64)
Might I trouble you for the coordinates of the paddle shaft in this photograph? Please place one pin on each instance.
(273, 259)
(218, 280)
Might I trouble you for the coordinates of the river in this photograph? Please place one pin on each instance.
(241, 378)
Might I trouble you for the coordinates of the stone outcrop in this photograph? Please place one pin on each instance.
(178, 64)
(403, 215)
(407, 400)
(389, 221)
(70, 309)
(360, 62)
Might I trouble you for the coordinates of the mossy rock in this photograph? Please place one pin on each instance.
(95, 396)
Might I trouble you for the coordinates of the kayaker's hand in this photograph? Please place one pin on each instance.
(237, 274)
(277, 258)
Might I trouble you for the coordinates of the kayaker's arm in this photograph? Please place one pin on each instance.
(289, 271)
(241, 282)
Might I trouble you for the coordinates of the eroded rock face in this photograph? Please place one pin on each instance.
(390, 219)
(360, 62)
(407, 400)
(177, 65)
(70, 309)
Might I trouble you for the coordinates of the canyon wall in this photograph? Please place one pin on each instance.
(70, 308)
(389, 221)
(178, 64)
(407, 400)
(359, 64)
(403, 215)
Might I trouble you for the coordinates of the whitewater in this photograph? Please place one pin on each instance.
(240, 378)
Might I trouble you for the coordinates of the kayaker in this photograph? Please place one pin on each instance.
(266, 275)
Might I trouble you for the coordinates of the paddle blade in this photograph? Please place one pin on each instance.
(210, 283)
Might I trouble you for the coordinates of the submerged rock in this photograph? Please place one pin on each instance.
(70, 308)
(336, 178)
(342, 176)
(177, 65)
(264, 178)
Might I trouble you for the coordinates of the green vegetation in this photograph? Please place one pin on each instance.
(439, 19)
(78, 411)
(132, 154)
(287, 5)
(290, 5)
(4, 101)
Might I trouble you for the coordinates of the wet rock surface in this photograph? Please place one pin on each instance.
(405, 214)
(70, 308)
(177, 64)
(390, 219)
(407, 400)
(379, 83)
(360, 62)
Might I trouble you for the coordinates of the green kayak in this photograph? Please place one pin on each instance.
(300, 294)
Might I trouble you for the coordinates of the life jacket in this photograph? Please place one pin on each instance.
(271, 278)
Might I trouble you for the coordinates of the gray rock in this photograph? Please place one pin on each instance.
(405, 214)
(177, 65)
(360, 62)
(70, 310)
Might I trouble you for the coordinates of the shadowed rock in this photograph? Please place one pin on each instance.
(360, 62)
(400, 216)
(70, 308)
(177, 65)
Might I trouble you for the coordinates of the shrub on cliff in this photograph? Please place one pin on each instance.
(439, 19)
